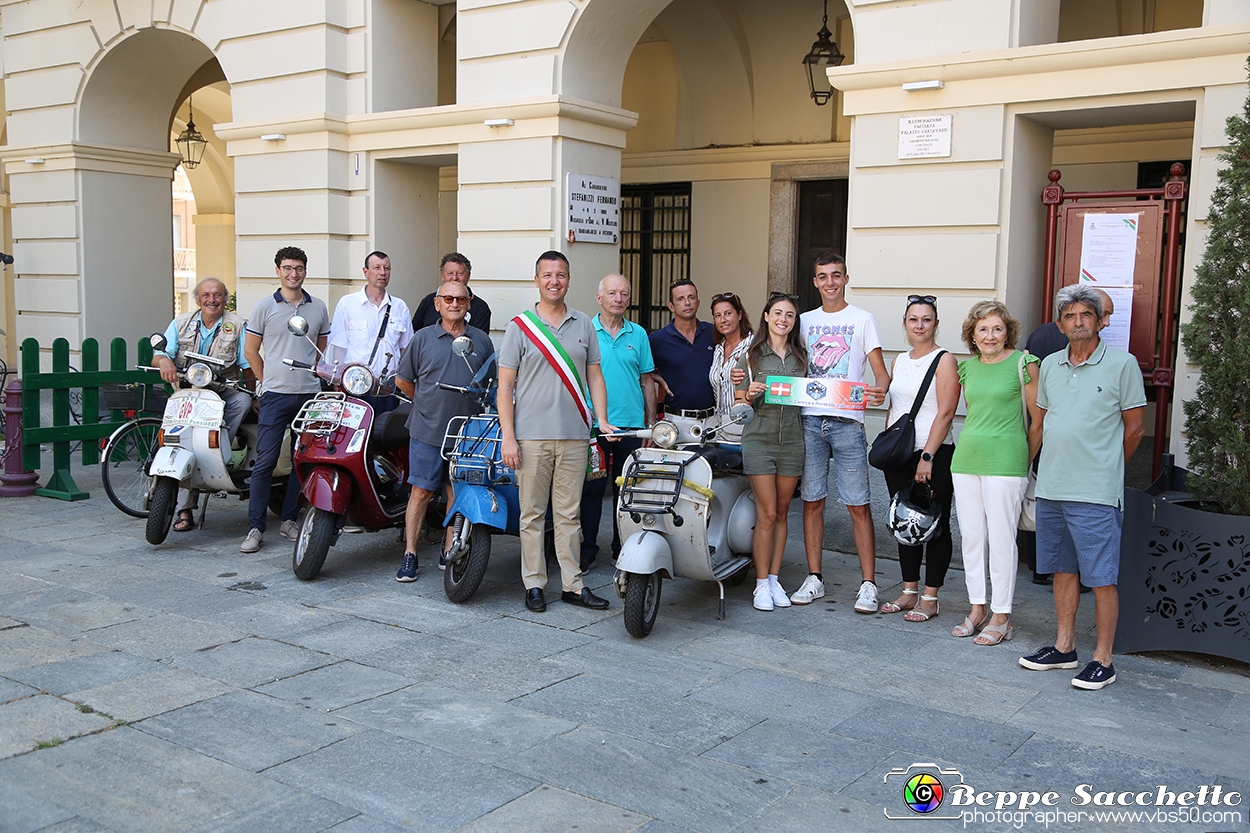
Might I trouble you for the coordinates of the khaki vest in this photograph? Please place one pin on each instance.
(225, 344)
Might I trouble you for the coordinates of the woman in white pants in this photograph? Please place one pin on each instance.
(990, 466)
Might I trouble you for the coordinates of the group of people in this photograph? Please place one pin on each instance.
(563, 376)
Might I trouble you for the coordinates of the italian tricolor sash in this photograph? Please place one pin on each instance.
(537, 331)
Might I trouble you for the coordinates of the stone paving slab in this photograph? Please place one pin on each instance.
(411, 612)
(135, 698)
(85, 672)
(446, 663)
(354, 637)
(641, 663)
(812, 705)
(77, 617)
(43, 718)
(26, 647)
(12, 690)
(553, 810)
(364, 824)
(23, 813)
(404, 782)
(335, 686)
(163, 636)
(293, 812)
(525, 639)
(250, 730)
(476, 727)
(275, 619)
(251, 662)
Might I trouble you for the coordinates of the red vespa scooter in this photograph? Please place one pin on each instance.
(352, 465)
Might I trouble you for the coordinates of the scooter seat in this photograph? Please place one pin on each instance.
(723, 458)
(390, 430)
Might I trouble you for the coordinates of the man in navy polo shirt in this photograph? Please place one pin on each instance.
(683, 355)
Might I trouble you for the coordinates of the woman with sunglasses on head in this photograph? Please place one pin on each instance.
(732, 336)
(772, 444)
(931, 462)
(990, 466)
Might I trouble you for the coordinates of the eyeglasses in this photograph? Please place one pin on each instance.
(294, 270)
(453, 299)
(773, 296)
(931, 300)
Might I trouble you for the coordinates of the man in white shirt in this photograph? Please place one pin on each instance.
(372, 327)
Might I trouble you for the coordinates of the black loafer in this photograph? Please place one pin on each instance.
(584, 599)
(534, 600)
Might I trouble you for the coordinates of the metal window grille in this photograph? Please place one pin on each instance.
(655, 246)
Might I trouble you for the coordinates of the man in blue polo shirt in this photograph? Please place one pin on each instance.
(625, 358)
(1092, 400)
(683, 355)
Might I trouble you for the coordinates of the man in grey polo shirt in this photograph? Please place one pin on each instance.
(428, 361)
(283, 391)
(546, 433)
(1091, 397)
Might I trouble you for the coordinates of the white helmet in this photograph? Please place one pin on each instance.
(914, 515)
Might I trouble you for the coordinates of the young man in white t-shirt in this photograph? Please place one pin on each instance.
(841, 339)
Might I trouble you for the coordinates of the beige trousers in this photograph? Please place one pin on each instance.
(554, 469)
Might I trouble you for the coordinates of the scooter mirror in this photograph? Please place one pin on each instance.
(158, 342)
(462, 346)
(297, 325)
(741, 414)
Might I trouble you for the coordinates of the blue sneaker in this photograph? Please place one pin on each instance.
(442, 560)
(1044, 659)
(1095, 676)
(408, 572)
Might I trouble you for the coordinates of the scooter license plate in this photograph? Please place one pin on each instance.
(193, 412)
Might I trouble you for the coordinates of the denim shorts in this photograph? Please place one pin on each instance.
(843, 440)
(1079, 537)
(426, 467)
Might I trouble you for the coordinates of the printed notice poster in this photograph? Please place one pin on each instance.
(594, 208)
(815, 393)
(1109, 249)
(1117, 332)
(921, 137)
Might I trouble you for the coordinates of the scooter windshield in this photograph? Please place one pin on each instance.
(487, 378)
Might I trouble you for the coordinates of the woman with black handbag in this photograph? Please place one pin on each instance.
(929, 372)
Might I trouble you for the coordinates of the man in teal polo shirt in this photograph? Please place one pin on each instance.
(1092, 398)
(625, 358)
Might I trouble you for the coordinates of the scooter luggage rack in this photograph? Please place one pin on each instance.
(660, 498)
(322, 415)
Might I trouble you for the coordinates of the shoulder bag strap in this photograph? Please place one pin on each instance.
(540, 335)
(381, 330)
(924, 386)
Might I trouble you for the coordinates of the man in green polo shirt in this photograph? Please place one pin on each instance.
(1091, 397)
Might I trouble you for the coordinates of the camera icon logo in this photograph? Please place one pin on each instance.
(923, 789)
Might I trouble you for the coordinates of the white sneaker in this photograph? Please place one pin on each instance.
(809, 591)
(763, 599)
(866, 601)
(779, 595)
(289, 529)
(252, 542)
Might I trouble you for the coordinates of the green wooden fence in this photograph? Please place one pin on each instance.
(64, 431)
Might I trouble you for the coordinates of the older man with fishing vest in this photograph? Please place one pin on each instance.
(546, 354)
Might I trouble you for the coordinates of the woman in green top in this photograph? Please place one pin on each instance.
(772, 444)
(989, 469)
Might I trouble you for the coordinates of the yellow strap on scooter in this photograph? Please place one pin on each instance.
(685, 481)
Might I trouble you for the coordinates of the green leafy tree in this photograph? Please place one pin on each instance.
(1217, 338)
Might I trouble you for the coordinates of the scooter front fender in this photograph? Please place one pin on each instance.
(480, 505)
(644, 553)
(172, 462)
(327, 488)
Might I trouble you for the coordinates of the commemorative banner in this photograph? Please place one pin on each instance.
(815, 393)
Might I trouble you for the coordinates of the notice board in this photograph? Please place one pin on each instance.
(1095, 248)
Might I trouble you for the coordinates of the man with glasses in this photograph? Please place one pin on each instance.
(283, 391)
(427, 361)
(372, 327)
(453, 267)
(683, 355)
(841, 342)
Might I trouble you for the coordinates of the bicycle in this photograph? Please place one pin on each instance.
(129, 450)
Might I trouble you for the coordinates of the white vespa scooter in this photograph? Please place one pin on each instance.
(194, 451)
(685, 510)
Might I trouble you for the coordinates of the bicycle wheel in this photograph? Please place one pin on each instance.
(124, 465)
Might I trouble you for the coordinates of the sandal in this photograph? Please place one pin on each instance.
(918, 615)
(895, 607)
(186, 520)
(994, 634)
(968, 627)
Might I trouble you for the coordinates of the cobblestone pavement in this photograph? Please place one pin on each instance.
(191, 687)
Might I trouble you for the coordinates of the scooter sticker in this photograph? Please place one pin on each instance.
(357, 442)
(821, 393)
(197, 412)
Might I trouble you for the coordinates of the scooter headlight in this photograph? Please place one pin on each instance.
(357, 380)
(664, 434)
(199, 375)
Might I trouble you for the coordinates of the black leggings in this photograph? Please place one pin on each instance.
(909, 557)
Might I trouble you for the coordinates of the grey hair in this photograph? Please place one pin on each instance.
(1078, 293)
(203, 281)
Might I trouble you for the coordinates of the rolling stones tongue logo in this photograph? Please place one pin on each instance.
(828, 352)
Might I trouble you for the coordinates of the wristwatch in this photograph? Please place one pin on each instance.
(926, 456)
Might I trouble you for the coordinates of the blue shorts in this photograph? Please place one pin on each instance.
(1077, 537)
(426, 467)
(843, 440)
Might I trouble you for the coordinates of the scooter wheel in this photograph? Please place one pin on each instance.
(316, 535)
(161, 514)
(464, 575)
(642, 602)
